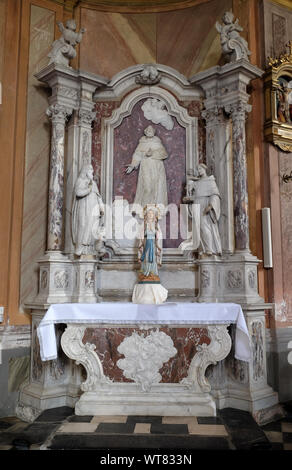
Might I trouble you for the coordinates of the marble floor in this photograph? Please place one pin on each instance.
(60, 429)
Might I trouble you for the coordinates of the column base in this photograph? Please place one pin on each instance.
(262, 404)
(35, 398)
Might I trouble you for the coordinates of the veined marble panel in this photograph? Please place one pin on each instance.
(103, 110)
(42, 24)
(185, 340)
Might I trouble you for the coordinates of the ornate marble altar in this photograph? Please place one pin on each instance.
(145, 359)
(105, 120)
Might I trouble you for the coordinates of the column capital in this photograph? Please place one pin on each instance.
(86, 116)
(213, 115)
(58, 112)
(238, 110)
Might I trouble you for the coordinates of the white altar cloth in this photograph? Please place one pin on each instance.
(122, 313)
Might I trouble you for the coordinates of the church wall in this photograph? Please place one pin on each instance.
(8, 115)
(2, 33)
(37, 152)
(277, 31)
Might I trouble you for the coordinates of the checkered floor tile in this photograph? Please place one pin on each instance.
(60, 429)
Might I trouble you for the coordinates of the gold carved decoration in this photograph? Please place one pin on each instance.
(278, 100)
(283, 59)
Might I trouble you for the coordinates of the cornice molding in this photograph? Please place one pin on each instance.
(130, 6)
(141, 6)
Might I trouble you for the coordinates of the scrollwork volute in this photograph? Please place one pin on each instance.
(206, 355)
(72, 345)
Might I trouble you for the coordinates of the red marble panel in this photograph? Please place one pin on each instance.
(185, 340)
(194, 109)
(103, 110)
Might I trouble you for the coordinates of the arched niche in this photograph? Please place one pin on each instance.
(113, 163)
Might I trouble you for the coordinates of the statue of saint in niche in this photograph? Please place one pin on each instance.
(87, 212)
(284, 100)
(203, 190)
(149, 154)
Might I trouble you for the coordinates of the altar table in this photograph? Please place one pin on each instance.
(145, 359)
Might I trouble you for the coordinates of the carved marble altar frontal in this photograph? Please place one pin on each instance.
(107, 343)
(150, 383)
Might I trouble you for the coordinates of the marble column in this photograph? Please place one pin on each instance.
(240, 195)
(78, 153)
(86, 116)
(58, 115)
(219, 162)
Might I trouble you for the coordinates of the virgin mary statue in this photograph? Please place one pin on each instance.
(148, 290)
(149, 154)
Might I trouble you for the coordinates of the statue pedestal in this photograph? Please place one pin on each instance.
(148, 293)
(62, 279)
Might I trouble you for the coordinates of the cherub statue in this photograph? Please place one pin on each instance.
(234, 47)
(63, 49)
